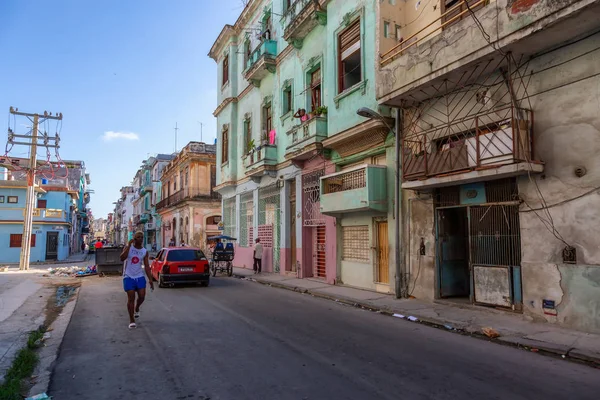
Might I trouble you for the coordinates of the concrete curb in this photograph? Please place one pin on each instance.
(565, 352)
(49, 353)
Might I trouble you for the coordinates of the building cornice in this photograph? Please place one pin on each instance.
(224, 104)
(231, 31)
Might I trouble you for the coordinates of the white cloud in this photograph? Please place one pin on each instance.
(110, 135)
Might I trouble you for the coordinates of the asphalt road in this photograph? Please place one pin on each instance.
(241, 340)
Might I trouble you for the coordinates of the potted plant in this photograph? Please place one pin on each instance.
(251, 146)
(264, 138)
(321, 110)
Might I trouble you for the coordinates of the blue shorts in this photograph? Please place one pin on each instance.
(134, 283)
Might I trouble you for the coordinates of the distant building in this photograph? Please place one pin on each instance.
(190, 210)
(53, 218)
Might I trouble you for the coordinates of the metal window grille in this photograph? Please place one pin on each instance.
(246, 219)
(447, 196)
(501, 190)
(346, 181)
(229, 216)
(312, 199)
(355, 243)
(495, 236)
(269, 218)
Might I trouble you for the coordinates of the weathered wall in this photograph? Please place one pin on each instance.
(504, 20)
(567, 136)
(420, 223)
(563, 90)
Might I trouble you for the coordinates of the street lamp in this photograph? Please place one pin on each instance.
(372, 114)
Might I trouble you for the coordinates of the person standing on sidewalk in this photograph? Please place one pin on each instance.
(134, 280)
(258, 253)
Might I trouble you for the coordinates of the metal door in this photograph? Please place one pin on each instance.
(293, 228)
(383, 251)
(51, 245)
(495, 253)
(319, 252)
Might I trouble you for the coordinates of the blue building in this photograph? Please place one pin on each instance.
(52, 222)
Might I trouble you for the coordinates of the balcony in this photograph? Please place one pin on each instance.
(260, 161)
(363, 188)
(188, 194)
(446, 43)
(262, 62)
(301, 18)
(305, 139)
(146, 188)
(490, 145)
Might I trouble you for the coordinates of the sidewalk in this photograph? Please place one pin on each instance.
(72, 259)
(514, 329)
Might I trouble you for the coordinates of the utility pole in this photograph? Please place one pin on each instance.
(201, 124)
(176, 129)
(32, 142)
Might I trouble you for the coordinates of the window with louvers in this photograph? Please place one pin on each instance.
(349, 57)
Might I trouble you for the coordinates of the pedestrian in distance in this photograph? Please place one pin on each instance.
(258, 253)
(134, 281)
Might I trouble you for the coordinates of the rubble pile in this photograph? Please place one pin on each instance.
(73, 271)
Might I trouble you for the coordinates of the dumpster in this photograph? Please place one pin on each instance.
(108, 260)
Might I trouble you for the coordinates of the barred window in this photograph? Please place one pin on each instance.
(355, 243)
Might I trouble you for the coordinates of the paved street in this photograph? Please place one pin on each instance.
(241, 340)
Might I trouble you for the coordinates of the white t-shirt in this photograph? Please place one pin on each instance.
(134, 265)
(258, 250)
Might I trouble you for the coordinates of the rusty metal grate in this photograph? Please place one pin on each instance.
(447, 196)
(355, 243)
(495, 235)
(501, 190)
(347, 181)
(320, 265)
(312, 199)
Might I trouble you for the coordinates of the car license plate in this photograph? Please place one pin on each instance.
(186, 269)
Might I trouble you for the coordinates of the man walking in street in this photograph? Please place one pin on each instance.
(258, 253)
(134, 280)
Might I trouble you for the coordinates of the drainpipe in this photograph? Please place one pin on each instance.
(400, 264)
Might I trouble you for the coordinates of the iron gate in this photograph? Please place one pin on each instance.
(311, 188)
(229, 224)
(269, 221)
(246, 220)
(495, 249)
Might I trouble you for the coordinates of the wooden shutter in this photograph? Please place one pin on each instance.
(15, 240)
(350, 40)
(41, 204)
(225, 146)
(33, 240)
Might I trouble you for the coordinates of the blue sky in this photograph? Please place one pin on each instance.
(121, 72)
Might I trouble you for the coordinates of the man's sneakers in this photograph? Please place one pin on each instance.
(136, 314)
(132, 325)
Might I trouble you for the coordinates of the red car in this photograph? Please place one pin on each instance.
(175, 265)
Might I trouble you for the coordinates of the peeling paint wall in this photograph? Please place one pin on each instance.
(567, 136)
(564, 93)
(506, 21)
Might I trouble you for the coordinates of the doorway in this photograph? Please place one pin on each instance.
(292, 224)
(453, 252)
(51, 245)
(383, 251)
(320, 270)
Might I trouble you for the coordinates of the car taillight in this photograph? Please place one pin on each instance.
(165, 269)
(206, 268)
